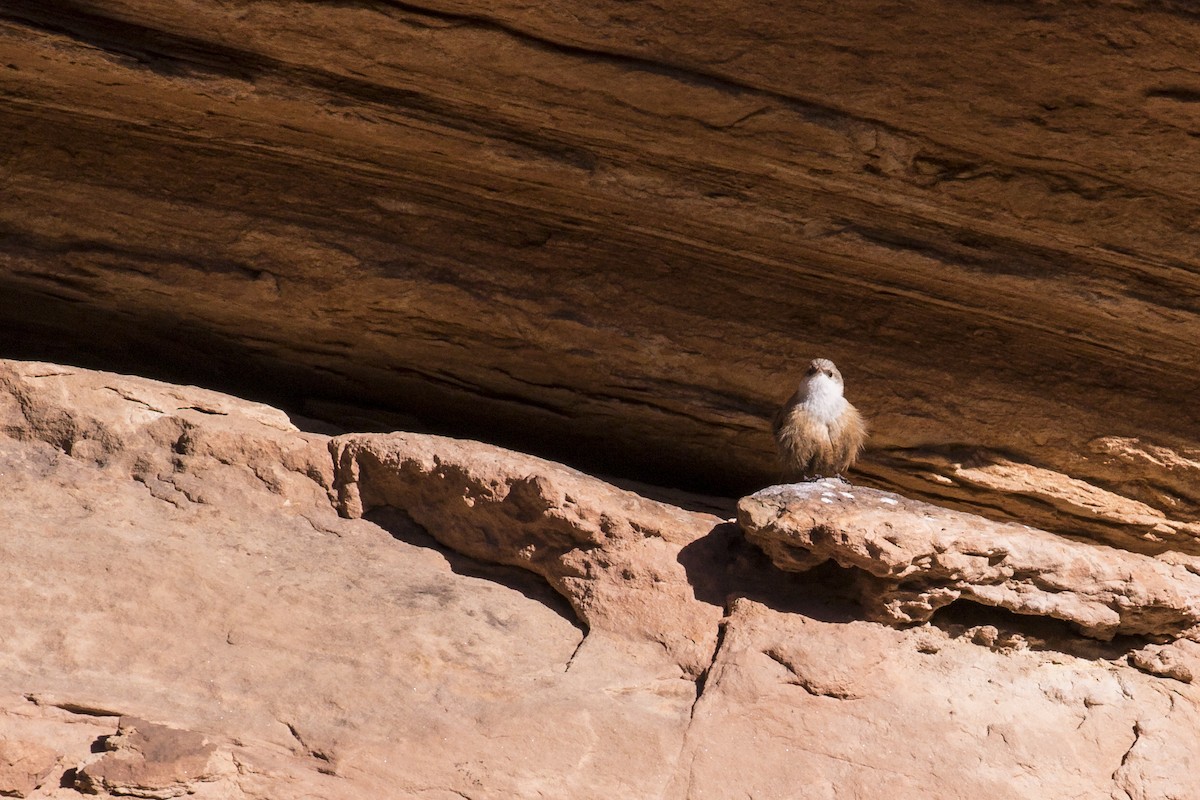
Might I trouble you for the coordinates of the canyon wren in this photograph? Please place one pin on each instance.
(818, 432)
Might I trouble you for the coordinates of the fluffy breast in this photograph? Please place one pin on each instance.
(824, 401)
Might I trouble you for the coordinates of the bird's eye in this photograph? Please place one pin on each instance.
(830, 374)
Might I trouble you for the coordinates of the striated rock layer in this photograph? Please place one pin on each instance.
(613, 231)
(202, 599)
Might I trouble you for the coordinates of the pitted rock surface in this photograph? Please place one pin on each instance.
(912, 558)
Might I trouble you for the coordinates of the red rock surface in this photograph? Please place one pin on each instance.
(911, 559)
(613, 231)
(24, 766)
(147, 760)
(609, 233)
(611, 553)
(187, 611)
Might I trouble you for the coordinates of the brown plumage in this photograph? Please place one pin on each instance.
(818, 432)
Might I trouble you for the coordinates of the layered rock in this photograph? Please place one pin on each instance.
(611, 231)
(147, 760)
(189, 612)
(910, 559)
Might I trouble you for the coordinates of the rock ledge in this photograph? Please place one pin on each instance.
(914, 558)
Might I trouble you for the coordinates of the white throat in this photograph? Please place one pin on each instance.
(824, 399)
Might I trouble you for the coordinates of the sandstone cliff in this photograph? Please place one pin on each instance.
(603, 233)
(611, 231)
(201, 598)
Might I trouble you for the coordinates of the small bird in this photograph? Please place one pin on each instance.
(818, 432)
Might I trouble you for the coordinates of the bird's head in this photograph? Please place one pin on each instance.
(822, 386)
(822, 371)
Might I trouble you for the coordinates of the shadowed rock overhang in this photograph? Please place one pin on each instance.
(612, 233)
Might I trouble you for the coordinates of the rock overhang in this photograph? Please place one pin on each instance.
(614, 249)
